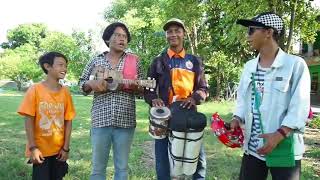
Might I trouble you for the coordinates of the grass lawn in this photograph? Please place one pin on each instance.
(222, 163)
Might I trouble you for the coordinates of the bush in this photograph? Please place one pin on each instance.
(74, 89)
(315, 123)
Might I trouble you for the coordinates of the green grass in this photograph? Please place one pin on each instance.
(222, 163)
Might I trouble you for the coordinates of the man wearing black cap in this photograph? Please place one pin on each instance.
(180, 77)
(273, 102)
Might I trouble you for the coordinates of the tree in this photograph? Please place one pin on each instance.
(225, 47)
(301, 18)
(83, 53)
(25, 34)
(211, 30)
(144, 19)
(194, 20)
(76, 48)
(20, 64)
(223, 74)
(27, 42)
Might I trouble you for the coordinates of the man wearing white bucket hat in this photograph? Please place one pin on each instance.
(273, 102)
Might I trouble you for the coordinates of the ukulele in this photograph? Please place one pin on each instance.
(115, 78)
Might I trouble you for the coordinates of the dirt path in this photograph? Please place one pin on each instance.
(148, 154)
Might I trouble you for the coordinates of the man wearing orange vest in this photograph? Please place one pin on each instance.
(113, 112)
(180, 77)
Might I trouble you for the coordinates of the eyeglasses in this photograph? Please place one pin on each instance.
(251, 30)
(174, 31)
(118, 35)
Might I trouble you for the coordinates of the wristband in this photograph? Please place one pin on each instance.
(31, 148)
(237, 117)
(65, 150)
(281, 131)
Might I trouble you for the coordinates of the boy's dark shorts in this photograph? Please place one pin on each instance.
(50, 169)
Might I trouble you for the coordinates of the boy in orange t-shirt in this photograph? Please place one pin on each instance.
(48, 109)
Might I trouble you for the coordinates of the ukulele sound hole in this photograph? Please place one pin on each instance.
(109, 80)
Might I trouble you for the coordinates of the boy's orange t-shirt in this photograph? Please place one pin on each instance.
(50, 109)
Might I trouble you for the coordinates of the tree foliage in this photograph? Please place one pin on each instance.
(25, 34)
(73, 47)
(211, 34)
(211, 30)
(20, 65)
(27, 42)
(301, 20)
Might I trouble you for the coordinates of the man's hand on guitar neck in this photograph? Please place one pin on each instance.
(95, 85)
(132, 88)
(137, 88)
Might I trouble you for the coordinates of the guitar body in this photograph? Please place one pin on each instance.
(113, 79)
(112, 84)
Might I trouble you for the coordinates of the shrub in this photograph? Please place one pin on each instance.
(74, 89)
(315, 122)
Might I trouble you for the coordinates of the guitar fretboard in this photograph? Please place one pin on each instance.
(144, 83)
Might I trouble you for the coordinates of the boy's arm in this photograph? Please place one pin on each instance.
(29, 126)
(69, 115)
(67, 134)
(36, 155)
(64, 152)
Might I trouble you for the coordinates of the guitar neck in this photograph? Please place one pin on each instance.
(143, 83)
(131, 81)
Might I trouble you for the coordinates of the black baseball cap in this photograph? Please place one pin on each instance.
(267, 20)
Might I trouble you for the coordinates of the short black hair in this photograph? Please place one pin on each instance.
(110, 30)
(276, 34)
(49, 59)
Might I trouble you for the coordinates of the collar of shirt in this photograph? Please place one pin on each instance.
(108, 60)
(171, 53)
(104, 54)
